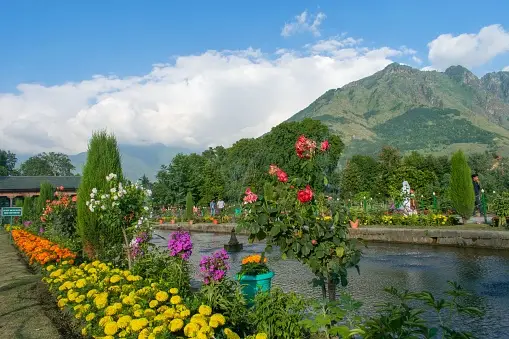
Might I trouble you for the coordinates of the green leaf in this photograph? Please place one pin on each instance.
(325, 181)
(340, 251)
(275, 230)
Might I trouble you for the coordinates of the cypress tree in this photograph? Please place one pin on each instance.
(462, 189)
(27, 209)
(103, 158)
(189, 206)
(45, 193)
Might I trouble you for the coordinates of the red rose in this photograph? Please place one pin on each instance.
(325, 146)
(305, 195)
(282, 176)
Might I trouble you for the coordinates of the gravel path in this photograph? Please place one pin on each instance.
(23, 310)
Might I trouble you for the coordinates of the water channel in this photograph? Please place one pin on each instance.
(411, 267)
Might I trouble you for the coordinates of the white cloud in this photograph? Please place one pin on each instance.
(304, 22)
(213, 98)
(506, 69)
(469, 50)
(417, 60)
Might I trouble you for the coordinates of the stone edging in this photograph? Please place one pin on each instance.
(457, 238)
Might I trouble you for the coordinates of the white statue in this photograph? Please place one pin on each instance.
(405, 193)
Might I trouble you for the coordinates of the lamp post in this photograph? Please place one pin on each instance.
(434, 202)
(483, 206)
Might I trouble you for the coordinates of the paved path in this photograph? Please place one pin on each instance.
(22, 314)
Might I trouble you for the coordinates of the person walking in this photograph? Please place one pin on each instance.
(220, 206)
(477, 193)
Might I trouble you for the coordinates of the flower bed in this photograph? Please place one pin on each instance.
(40, 250)
(109, 303)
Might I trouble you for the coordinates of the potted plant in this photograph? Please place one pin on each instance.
(254, 276)
(354, 214)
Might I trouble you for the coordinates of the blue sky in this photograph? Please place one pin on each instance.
(201, 73)
(55, 41)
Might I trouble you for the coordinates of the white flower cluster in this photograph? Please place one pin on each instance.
(114, 195)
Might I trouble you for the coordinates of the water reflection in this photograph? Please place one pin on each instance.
(411, 267)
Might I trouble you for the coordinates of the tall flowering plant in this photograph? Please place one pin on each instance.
(123, 212)
(59, 215)
(285, 215)
(213, 268)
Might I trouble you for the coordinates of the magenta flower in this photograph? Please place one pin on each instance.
(180, 244)
(214, 267)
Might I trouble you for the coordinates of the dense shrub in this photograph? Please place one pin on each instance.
(461, 189)
(103, 158)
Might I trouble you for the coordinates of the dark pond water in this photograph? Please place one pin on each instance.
(412, 267)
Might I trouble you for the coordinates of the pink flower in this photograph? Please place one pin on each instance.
(305, 195)
(282, 176)
(305, 147)
(325, 146)
(250, 196)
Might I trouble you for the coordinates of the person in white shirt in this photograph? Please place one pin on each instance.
(220, 205)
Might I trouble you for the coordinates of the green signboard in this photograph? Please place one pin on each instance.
(12, 212)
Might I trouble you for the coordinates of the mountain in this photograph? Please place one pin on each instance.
(136, 160)
(427, 111)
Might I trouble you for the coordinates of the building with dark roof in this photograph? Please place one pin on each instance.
(14, 187)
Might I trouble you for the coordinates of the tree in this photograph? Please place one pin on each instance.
(189, 206)
(145, 182)
(49, 164)
(461, 189)
(103, 158)
(45, 194)
(28, 209)
(7, 163)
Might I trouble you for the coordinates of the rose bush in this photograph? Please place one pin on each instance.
(287, 215)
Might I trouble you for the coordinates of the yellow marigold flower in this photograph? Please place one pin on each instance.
(90, 316)
(169, 313)
(201, 335)
(158, 329)
(149, 313)
(105, 320)
(185, 313)
(176, 325)
(126, 273)
(84, 331)
(219, 318)
(144, 334)
(80, 298)
(115, 279)
(230, 334)
(161, 296)
(153, 303)
(175, 300)
(261, 336)
(199, 319)
(62, 302)
(50, 268)
(81, 283)
(213, 323)
(110, 328)
(136, 307)
(91, 293)
(205, 310)
(129, 300)
(101, 300)
(123, 321)
(138, 313)
(191, 329)
(174, 290)
(162, 309)
(110, 310)
(138, 324)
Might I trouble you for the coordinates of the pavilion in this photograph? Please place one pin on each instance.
(18, 187)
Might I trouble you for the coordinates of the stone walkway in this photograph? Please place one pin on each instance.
(22, 314)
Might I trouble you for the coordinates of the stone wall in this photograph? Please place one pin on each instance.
(446, 237)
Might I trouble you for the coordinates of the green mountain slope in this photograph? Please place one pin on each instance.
(418, 110)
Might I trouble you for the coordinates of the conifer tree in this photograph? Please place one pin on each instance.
(45, 193)
(189, 206)
(103, 158)
(462, 190)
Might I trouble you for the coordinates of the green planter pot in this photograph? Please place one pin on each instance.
(252, 284)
